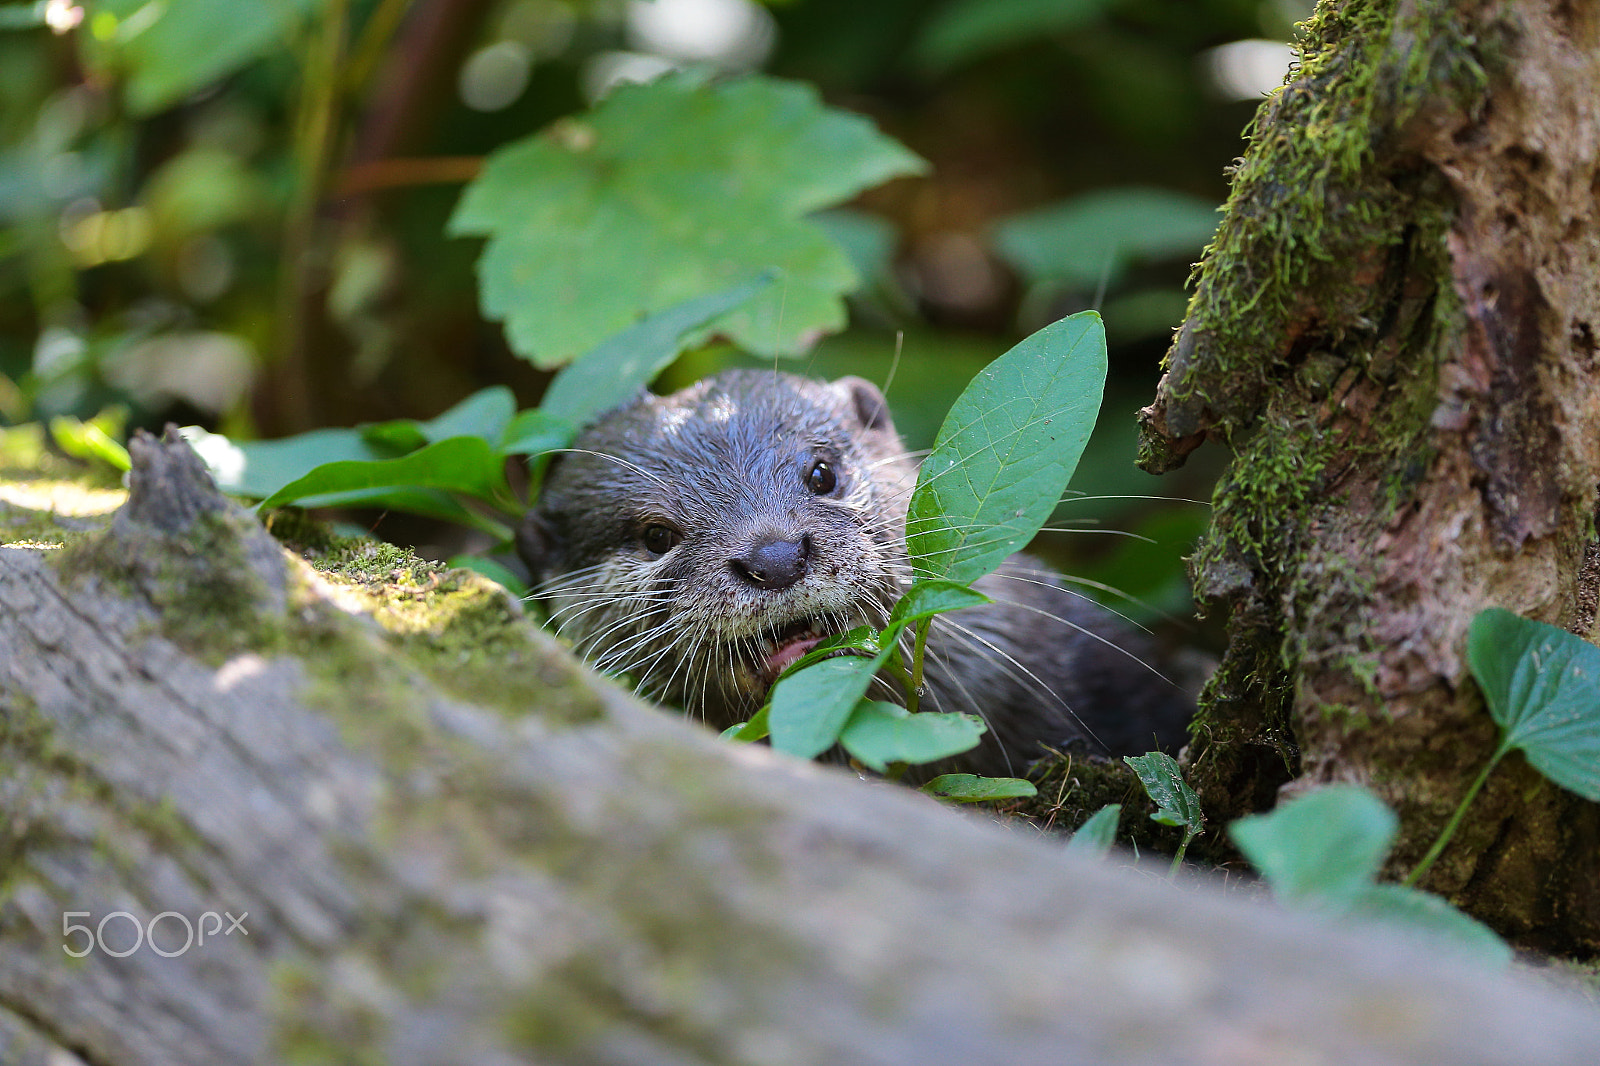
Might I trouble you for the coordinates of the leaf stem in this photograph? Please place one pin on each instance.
(315, 130)
(914, 695)
(1450, 827)
(375, 37)
(1190, 833)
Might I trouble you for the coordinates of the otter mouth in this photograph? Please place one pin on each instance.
(788, 645)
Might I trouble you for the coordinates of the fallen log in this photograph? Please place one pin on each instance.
(440, 840)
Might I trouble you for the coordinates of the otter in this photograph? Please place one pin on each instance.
(701, 542)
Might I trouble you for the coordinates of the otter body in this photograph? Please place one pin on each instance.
(703, 541)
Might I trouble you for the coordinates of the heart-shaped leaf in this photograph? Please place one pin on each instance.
(1328, 844)
(1176, 803)
(1542, 685)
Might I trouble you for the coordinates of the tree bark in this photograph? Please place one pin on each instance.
(1395, 330)
(447, 842)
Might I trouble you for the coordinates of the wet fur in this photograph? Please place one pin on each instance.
(724, 462)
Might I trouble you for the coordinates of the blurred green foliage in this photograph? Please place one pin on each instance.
(236, 213)
(165, 52)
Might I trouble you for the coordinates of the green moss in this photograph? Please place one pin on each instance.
(23, 734)
(460, 629)
(1320, 197)
(375, 564)
(47, 500)
(355, 677)
(25, 527)
(1351, 718)
(318, 1028)
(376, 630)
(1272, 478)
(1242, 745)
(209, 600)
(45, 779)
(299, 532)
(1073, 787)
(1307, 295)
(566, 1012)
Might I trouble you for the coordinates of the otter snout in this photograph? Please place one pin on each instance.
(773, 562)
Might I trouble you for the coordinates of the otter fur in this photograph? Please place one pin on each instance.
(701, 542)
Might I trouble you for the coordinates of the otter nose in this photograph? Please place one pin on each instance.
(773, 563)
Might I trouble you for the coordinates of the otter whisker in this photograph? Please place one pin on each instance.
(1044, 580)
(937, 699)
(1014, 668)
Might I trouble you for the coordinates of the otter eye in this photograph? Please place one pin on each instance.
(659, 539)
(821, 480)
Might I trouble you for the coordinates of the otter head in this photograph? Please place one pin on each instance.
(703, 541)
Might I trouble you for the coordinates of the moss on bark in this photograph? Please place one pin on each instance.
(1390, 332)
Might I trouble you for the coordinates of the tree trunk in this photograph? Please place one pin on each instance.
(445, 842)
(1395, 330)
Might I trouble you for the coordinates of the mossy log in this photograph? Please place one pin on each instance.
(446, 842)
(1396, 332)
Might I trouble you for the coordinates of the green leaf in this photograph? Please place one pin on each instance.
(485, 413)
(1006, 451)
(1088, 241)
(466, 465)
(202, 189)
(965, 29)
(969, 788)
(811, 706)
(1176, 802)
(1096, 836)
(93, 440)
(395, 437)
(260, 468)
(881, 733)
(619, 367)
(535, 431)
(1424, 913)
(1327, 845)
(22, 15)
(1542, 685)
(755, 729)
(500, 575)
(926, 599)
(429, 502)
(666, 192)
(172, 48)
(862, 639)
(1325, 849)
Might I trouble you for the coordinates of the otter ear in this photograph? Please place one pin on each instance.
(867, 402)
(536, 543)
